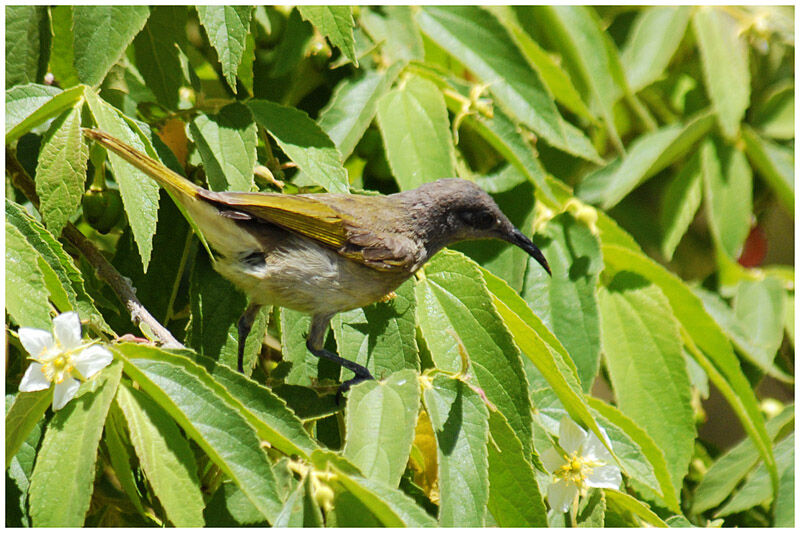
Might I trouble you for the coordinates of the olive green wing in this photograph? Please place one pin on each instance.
(324, 223)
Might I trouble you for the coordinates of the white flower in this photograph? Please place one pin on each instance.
(63, 360)
(587, 463)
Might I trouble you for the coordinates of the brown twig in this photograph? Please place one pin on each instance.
(105, 270)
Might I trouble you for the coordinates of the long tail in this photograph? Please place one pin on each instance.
(168, 179)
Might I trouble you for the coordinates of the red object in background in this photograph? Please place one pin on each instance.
(755, 248)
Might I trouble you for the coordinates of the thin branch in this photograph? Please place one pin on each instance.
(140, 316)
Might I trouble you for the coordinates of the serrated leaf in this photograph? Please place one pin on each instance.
(642, 348)
(27, 301)
(25, 412)
(61, 170)
(480, 42)
(566, 301)
(304, 142)
(680, 203)
(654, 38)
(165, 456)
(27, 37)
(726, 69)
(416, 133)
(139, 192)
(394, 26)
(61, 485)
(717, 357)
(514, 496)
(215, 425)
(379, 422)
(353, 106)
(335, 23)
(226, 27)
(774, 163)
(461, 422)
(730, 468)
(728, 187)
(381, 336)
(62, 52)
(156, 52)
(452, 296)
(101, 35)
(227, 145)
(28, 106)
(649, 154)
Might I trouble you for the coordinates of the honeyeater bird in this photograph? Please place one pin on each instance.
(325, 253)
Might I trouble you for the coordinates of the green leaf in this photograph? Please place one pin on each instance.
(626, 502)
(304, 142)
(641, 343)
(216, 306)
(61, 170)
(566, 301)
(461, 422)
(395, 28)
(514, 496)
(553, 75)
(416, 133)
(648, 155)
(730, 468)
(25, 412)
(294, 329)
(139, 192)
(119, 453)
(721, 364)
(245, 71)
(300, 509)
(480, 42)
(592, 510)
(680, 203)
(335, 23)
(62, 52)
(353, 106)
(207, 418)
(381, 336)
(380, 422)
(27, 41)
(588, 54)
(774, 163)
(229, 507)
(654, 455)
(391, 506)
(28, 106)
(774, 118)
(156, 52)
(165, 456)
(758, 306)
(453, 303)
(227, 145)
(784, 501)
(728, 184)
(19, 473)
(654, 38)
(227, 27)
(757, 489)
(101, 35)
(726, 69)
(61, 485)
(27, 304)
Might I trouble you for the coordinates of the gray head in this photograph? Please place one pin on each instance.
(453, 209)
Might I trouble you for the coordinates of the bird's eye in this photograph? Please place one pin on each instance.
(478, 219)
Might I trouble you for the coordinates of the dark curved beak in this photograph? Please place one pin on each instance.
(518, 238)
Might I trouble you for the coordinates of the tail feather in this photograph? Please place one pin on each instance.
(168, 179)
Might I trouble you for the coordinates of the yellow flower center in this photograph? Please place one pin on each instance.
(576, 469)
(59, 368)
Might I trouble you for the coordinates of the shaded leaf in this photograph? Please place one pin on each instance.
(156, 52)
(334, 22)
(680, 203)
(227, 27)
(27, 41)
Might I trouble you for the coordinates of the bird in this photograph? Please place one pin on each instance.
(325, 253)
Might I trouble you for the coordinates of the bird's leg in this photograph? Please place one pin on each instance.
(245, 324)
(316, 340)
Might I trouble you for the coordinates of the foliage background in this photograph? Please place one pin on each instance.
(648, 151)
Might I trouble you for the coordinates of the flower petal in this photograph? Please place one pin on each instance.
(594, 449)
(91, 360)
(64, 392)
(67, 329)
(604, 477)
(570, 435)
(34, 379)
(35, 341)
(561, 494)
(552, 460)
